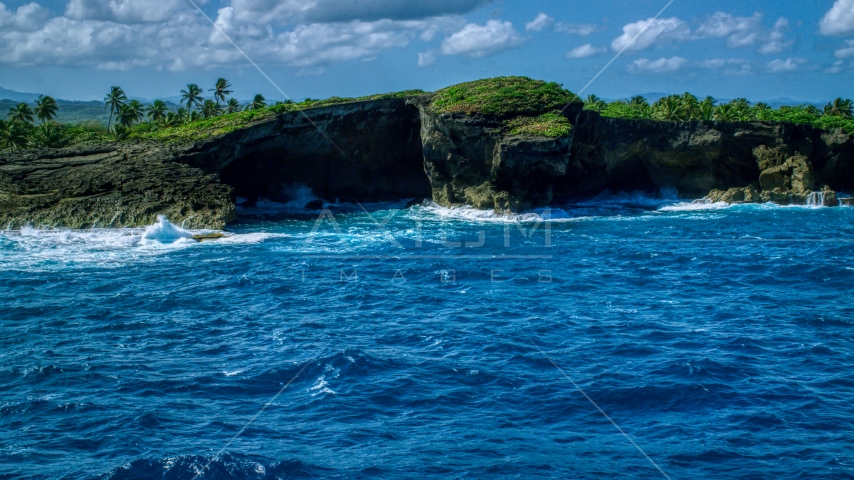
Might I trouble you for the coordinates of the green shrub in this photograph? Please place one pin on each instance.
(552, 125)
(503, 97)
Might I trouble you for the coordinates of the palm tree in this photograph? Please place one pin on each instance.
(22, 113)
(50, 135)
(839, 108)
(157, 111)
(193, 116)
(596, 104)
(138, 108)
(211, 109)
(710, 100)
(812, 110)
(45, 108)
(233, 106)
(12, 135)
(707, 111)
(638, 101)
(690, 106)
(115, 99)
(670, 108)
(222, 90)
(127, 116)
(724, 113)
(173, 119)
(192, 96)
(257, 103)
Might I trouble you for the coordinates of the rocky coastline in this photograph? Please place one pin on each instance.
(402, 148)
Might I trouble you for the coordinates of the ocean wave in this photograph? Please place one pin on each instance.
(226, 466)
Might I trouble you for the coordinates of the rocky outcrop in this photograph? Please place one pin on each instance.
(400, 148)
(109, 186)
(737, 162)
(360, 151)
(469, 160)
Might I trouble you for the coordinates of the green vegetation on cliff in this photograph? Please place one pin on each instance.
(524, 106)
(552, 125)
(503, 97)
(687, 107)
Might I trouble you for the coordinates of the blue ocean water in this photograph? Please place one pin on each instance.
(434, 342)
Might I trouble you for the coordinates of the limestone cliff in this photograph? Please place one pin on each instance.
(402, 148)
(471, 160)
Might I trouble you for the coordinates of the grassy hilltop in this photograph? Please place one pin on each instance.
(523, 106)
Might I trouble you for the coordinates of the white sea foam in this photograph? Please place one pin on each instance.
(164, 231)
(300, 195)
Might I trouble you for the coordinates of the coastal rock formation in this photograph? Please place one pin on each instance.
(736, 161)
(469, 160)
(361, 151)
(109, 186)
(398, 148)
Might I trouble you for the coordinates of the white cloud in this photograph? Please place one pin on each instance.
(643, 34)
(584, 51)
(482, 40)
(746, 31)
(26, 18)
(121, 35)
(839, 20)
(729, 66)
(542, 21)
(739, 31)
(580, 29)
(662, 65)
(775, 42)
(426, 58)
(125, 11)
(836, 68)
(847, 51)
(786, 66)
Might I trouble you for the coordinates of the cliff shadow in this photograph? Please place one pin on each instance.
(360, 152)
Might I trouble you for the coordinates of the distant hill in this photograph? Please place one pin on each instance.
(6, 94)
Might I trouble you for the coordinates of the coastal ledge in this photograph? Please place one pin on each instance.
(527, 146)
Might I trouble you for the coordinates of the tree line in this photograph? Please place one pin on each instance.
(686, 107)
(19, 129)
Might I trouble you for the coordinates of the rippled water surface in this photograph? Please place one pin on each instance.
(718, 339)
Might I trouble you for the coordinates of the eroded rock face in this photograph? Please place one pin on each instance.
(398, 148)
(469, 161)
(109, 186)
(360, 151)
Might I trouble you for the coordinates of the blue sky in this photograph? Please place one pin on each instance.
(76, 49)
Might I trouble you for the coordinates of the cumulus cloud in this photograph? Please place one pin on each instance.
(426, 58)
(728, 66)
(540, 22)
(738, 31)
(786, 66)
(745, 31)
(643, 34)
(836, 67)
(124, 11)
(125, 34)
(847, 51)
(775, 42)
(481, 40)
(26, 18)
(839, 20)
(580, 29)
(662, 65)
(585, 51)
